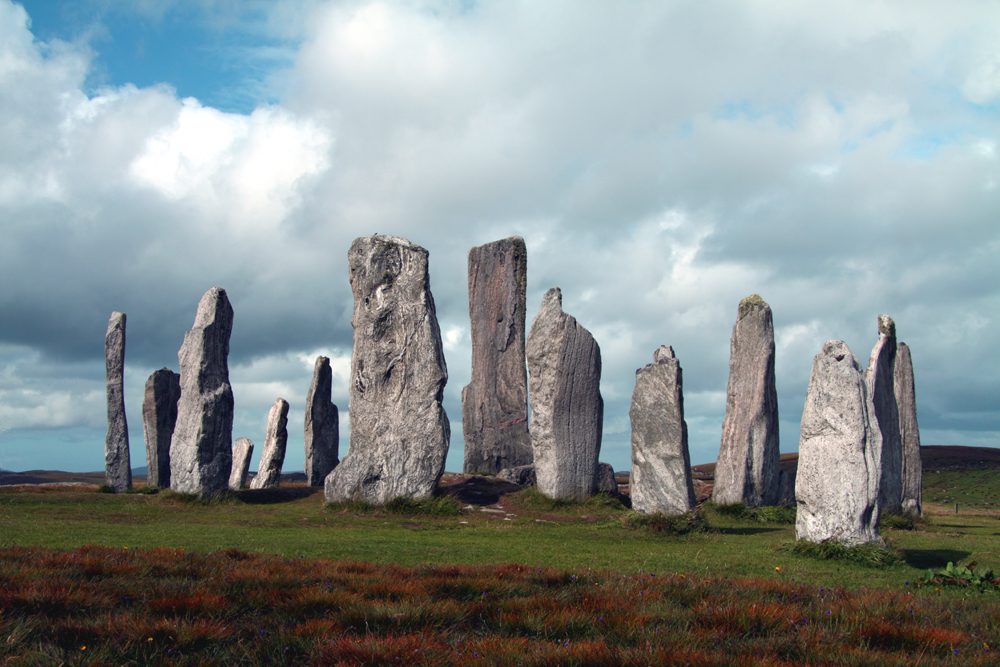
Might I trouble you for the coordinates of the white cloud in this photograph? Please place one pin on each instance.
(661, 160)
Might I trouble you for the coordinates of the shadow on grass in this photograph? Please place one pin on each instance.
(744, 531)
(478, 490)
(276, 495)
(926, 559)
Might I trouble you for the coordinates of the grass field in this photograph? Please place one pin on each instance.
(574, 584)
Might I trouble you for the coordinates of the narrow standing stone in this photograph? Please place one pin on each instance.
(880, 380)
(748, 466)
(273, 456)
(117, 461)
(322, 428)
(839, 471)
(909, 432)
(201, 454)
(661, 481)
(399, 429)
(567, 411)
(159, 416)
(495, 402)
(242, 451)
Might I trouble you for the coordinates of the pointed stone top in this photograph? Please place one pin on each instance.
(749, 302)
(398, 240)
(886, 327)
(663, 353)
(214, 302)
(115, 317)
(552, 297)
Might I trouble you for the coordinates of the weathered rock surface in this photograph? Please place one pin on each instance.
(880, 377)
(567, 411)
(786, 488)
(322, 428)
(159, 415)
(839, 469)
(909, 432)
(520, 475)
(201, 454)
(661, 481)
(495, 402)
(242, 451)
(273, 456)
(117, 462)
(747, 468)
(606, 482)
(399, 429)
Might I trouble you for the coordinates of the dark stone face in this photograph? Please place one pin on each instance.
(495, 402)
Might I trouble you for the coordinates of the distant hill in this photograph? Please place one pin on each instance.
(933, 457)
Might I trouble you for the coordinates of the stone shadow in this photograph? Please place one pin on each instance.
(926, 559)
(478, 490)
(275, 495)
(745, 531)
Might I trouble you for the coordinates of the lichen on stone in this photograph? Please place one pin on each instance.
(749, 302)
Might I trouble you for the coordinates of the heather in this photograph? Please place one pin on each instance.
(115, 605)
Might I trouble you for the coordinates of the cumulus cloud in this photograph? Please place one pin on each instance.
(662, 160)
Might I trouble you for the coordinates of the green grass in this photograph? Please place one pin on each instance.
(971, 489)
(521, 528)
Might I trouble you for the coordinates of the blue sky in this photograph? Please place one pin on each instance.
(662, 160)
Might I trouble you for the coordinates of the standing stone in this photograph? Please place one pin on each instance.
(909, 432)
(606, 481)
(399, 429)
(881, 388)
(495, 402)
(201, 454)
(661, 481)
(159, 416)
(273, 456)
(786, 488)
(322, 429)
(839, 470)
(567, 411)
(242, 451)
(748, 465)
(117, 462)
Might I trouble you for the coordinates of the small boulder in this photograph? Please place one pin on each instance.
(273, 456)
(520, 475)
(242, 451)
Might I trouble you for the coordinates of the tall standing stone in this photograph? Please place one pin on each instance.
(909, 432)
(322, 428)
(201, 454)
(661, 481)
(495, 402)
(839, 469)
(159, 416)
(273, 456)
(748, 465)
(567, 411)
(242, 451)
(880, 377)
(399, 429)
(117, 463)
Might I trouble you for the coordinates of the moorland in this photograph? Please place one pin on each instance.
(485, 573)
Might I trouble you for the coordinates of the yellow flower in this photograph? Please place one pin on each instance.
(83, 648)
(777, 569)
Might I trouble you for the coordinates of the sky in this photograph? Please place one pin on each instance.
(661, 159)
